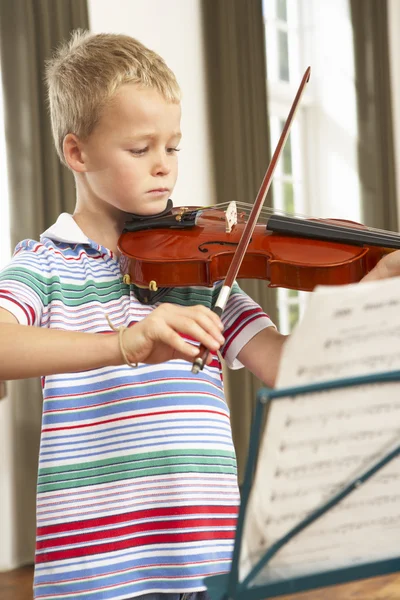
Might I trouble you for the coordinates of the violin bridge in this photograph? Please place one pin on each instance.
(230, 217)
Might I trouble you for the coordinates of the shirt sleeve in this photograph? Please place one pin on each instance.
(23, 283)
(243, 319)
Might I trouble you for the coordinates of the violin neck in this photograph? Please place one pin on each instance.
(319, 230)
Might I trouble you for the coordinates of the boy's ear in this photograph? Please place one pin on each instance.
(73, 153)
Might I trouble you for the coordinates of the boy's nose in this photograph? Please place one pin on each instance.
(161, 166)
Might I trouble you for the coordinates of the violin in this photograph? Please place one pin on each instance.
(194, 246)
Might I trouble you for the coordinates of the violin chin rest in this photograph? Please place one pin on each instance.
(133, 217)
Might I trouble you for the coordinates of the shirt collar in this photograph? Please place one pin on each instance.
(65, 229)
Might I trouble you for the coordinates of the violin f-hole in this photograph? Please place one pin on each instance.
(202, 247)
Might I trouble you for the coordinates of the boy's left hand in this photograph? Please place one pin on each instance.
(388, 266)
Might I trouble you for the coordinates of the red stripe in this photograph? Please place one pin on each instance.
(238, 322)
(239, 326)
(154, 526)
(154, 513)
(29, 312)
(73, 258)
(177, 538)
(135, 416)
(150, 497)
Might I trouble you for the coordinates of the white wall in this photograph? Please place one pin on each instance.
(173, 29)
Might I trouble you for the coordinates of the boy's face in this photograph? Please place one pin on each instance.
(131, 157)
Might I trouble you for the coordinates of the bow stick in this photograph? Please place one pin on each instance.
(234, 267)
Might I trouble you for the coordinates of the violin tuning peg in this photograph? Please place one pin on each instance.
(153, 287)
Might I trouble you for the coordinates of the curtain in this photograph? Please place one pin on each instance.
(376, 155)
(236, 74)
(40, 189)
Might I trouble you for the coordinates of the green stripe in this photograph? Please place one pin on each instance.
(192, 296)
(50, 289)
(152, 472)
(136, 466)
(161, 454)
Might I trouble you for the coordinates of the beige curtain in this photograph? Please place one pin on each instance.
(376, 146)
(236, 72)
(40, 188)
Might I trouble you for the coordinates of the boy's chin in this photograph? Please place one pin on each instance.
(148, 209)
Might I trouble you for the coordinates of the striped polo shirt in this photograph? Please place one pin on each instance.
(137, 488)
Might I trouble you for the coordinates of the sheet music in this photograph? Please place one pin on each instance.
(316, 443)
(346, 330)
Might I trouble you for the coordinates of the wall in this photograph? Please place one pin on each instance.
(173, 29)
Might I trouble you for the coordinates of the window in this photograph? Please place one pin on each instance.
(317, 173)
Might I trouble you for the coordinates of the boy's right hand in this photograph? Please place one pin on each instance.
(30, 351)
(158, 337)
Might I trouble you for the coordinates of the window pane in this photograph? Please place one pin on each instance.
(281, 10)
(288, 197)
(283, 50)
(294, 313)
(287, 154)
(293, 293)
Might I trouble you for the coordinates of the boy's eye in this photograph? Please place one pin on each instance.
(138, 151)
(141, 151)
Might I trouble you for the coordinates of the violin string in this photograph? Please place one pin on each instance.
(335, 222)
(266, 212)
(271, 211)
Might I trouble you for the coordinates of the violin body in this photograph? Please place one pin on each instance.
(200, 254)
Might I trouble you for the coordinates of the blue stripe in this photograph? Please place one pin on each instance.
(133, 562)
(183, 438)
(162, 422)
(128, 405)
(157, 432)
(178, 574)
(139, 378)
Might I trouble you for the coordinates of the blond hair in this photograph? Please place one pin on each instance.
(85, 73)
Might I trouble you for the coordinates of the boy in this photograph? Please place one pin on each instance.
(137, 490)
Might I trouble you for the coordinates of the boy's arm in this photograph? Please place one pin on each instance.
(31, 351)
(28, 351)
(262, 354)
